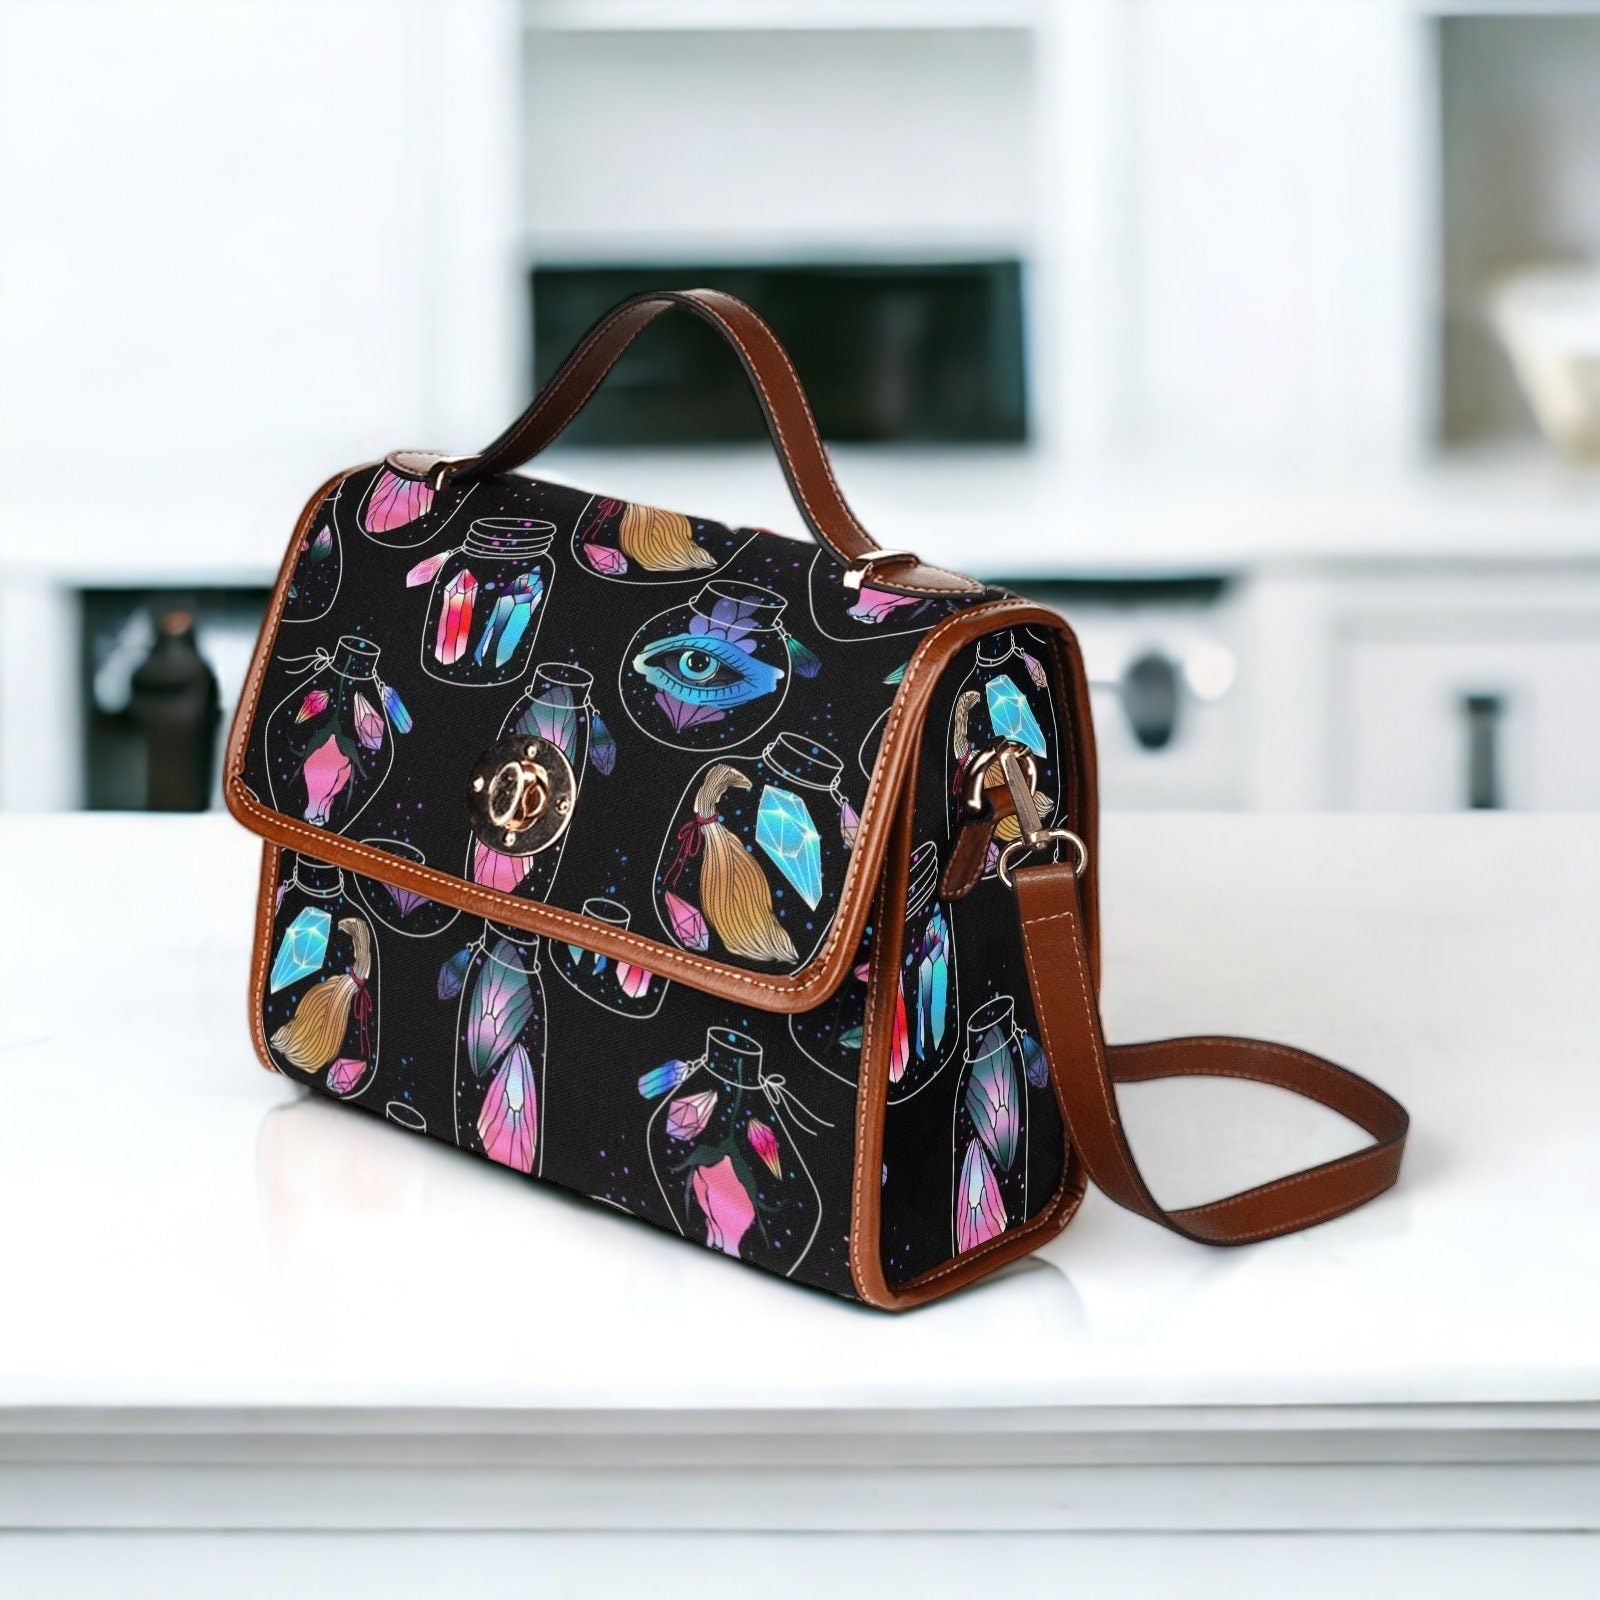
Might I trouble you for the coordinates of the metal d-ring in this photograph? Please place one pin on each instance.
(1037, 842)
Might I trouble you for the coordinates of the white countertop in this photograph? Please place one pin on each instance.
(185, 1230)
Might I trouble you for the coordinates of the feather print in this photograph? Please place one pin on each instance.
(661, 541)
(804, 661)
(960, 741)
(733, 889)
(980, 1208)
(310, 1039)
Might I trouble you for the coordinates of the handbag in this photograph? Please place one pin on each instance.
(742, 884)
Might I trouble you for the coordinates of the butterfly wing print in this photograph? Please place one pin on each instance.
(500, 1055)
(398, 509)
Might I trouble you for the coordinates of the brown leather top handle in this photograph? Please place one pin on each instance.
(777, 387)
(1084, 1071)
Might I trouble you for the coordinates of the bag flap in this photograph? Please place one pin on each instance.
(733, 722)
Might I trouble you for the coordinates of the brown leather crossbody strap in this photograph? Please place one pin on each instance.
(1084, 1071)
(766, 364)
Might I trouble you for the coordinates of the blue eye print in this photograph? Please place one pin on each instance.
(697, 677)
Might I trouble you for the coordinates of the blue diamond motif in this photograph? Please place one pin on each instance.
(1010, 715)
(304, 948)
(784, 829)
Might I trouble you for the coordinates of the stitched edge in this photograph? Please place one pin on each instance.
(930, 655)
(1063, 1204)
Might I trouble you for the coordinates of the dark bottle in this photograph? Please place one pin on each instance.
(176, 706)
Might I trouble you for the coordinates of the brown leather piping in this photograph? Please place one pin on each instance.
(1085, 1069)
(266, 904)
(781, 993)
(778, 390)
(872, 1097)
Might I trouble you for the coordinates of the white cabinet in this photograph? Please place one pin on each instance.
(1413, 687)
(1486, 712)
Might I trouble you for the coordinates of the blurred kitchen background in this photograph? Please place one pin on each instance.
(1261, 336)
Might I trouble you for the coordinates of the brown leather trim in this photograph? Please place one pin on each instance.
(782, 993)
(266, 904)
(1084, 1071)
(782, 398)
(872, 1096)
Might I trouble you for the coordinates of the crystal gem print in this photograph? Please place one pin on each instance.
(784, 829)
(303, 950)
(1011, 716)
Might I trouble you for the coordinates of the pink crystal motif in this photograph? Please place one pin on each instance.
(345, 1074)
(395, 501)
(426, 570)
(725, 1204)
(688, 926)
(455, 620)
(765, 1144)
(326, 771)
(314, 704)
(406, 900)
(369, 724)
(687, 1117)
(604, 559)
(634, 980)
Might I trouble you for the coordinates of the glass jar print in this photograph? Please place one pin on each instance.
(397, 906)
(619, 986)
(500, 1046)
(989, 1182)
(329, 742)
(725, 1145)
(756, 853)
(487, 601)
(319, 564)
(641, 544)
(925, 1033)
(1006, 696)
(556, 705)
(320, 1013)
(714, 671)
